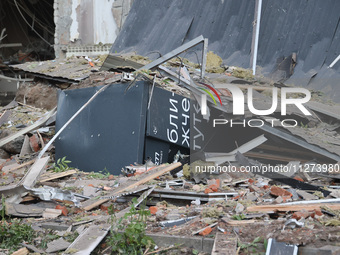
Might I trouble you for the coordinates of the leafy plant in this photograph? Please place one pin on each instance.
(265, 242)
(238, 217)
(3, 207)
(61, 165)
(195, 252)
(129, 239)
(303, 125)
(249, 245)
(100, 175)
(13, 233)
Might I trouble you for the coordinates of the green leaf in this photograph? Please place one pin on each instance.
(257, 239)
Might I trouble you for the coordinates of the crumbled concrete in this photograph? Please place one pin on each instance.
(57, 245)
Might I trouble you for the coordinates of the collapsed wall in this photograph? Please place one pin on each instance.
(307, 30)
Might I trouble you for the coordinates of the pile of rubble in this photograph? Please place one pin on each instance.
(180, 206)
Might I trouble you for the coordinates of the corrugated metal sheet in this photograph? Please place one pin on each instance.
(307, 27)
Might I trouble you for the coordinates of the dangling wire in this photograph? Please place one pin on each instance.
(42, 38)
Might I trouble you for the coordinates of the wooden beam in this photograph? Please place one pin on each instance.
(22, 165)
(239, 222)
(146, 177)
(53, 176)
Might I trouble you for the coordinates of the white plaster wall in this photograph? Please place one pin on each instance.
(104, 24)
(87, 22)
(74, 33)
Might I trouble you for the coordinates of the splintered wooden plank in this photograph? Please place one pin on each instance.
(146, 177)
(22, 165)
(239, 222)
(53, 176)
(224, 244)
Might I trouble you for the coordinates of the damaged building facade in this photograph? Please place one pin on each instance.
(51, 28)
(41, 30)
(175, 127)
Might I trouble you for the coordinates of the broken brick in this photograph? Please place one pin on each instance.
(34, 142)
(316, 212)
(105, 206)
(111, 177)
(277, 191)
(153, 209)
(298, 178)
(215, 182)
(301, 214)
(213, 187)
(63, 209)
(207, 190)
(206, 231)
(218, 182)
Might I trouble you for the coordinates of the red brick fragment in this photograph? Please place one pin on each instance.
(34, 142)
(301, 214)
(207, 190)
(153, 209)
(213, 187)
(298, 178)
(218, 183)
(206, 231)
(316, 212)
(104, 207)
(63, 209)
(277, 191)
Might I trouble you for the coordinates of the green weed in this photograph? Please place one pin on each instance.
(61, 165)
(238, 217)
(100, 175)
(130, 239)
(14, 232)
(246, 246)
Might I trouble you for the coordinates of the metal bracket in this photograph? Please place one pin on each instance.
(179, 50)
